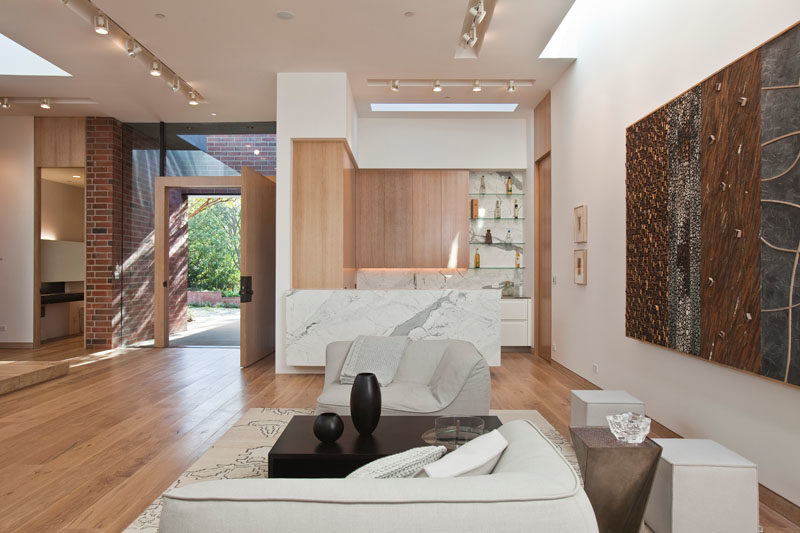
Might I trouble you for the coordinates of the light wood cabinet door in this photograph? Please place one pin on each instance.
(426, 218)
(397, 232)
(455, 219)
(370, 216)
(59, 141)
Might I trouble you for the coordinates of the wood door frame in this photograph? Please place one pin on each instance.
(542, 272)
(163, 184)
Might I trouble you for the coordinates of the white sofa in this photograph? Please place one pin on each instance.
(435, 377)
(531, 489)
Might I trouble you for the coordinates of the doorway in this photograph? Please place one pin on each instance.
(257, 257)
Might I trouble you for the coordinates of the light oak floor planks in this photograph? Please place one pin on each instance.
(89, 451)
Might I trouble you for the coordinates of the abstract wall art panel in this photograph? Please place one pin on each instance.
(713, 217)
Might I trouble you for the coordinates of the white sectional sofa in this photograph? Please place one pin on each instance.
(532, 489)
(435, 377)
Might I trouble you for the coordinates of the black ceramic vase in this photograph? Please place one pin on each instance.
(328, 427)
(365, 403)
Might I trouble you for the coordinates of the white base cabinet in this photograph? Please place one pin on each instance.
(516, 315)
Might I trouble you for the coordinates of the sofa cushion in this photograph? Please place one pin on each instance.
(403, 464)
(475, 458)
(399, 396)
(421, 359)
(379, 355)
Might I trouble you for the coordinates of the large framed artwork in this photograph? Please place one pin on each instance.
(713, 217)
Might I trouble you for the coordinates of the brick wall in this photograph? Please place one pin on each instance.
(237, 151)
(103, 231)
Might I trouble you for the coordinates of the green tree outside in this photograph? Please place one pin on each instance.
(214, 243)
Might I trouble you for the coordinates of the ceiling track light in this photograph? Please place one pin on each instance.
(395, 85)
(101, 23)
(193, 98)
(131, 47)
(471, 37)
(511, 88)
(176, 84)
(476, 86)
(437, 86)
(45, 104)
(155, 68)
(478, 12)
(5, 104)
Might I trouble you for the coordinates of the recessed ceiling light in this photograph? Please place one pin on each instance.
(76, 177)
(285, 15)
(155, 68)
(444, 107)
(45, 103)
(476, 86)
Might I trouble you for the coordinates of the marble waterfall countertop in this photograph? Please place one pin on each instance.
(315, 318)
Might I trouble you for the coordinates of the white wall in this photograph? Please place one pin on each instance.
(62, 212)
(634, 57)
(471, 143)
(16, 229)
(310, 105)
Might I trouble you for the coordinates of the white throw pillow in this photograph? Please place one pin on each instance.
(475, 458)
(404, 464)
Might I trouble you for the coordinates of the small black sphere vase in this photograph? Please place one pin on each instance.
(328, 427)
(365, 403)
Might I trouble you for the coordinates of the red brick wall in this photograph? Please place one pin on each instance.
(178, 260)
(103, 231)
(237, 151)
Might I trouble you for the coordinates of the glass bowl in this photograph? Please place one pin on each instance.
(629, 427)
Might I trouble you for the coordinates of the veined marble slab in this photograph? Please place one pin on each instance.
(315, 318)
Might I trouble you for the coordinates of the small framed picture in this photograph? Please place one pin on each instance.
(579, 265)
(580, 223)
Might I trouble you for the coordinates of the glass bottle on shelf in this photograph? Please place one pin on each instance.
(477, 258)
(516, 209)
(509, 189)
(488, 238)
(497, 209)
(482, 189)
(516, 261)
(508, 236)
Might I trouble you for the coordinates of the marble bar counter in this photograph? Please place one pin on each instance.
(315, 318)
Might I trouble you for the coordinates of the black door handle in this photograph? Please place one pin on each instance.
(246, 289)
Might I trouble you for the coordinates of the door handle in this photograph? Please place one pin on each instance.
(245, 289)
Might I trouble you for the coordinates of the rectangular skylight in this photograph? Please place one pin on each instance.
(445, 108)
(19, 61)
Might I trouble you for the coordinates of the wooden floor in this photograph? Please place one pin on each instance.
(91, 450)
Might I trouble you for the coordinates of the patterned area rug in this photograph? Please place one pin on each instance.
(242, 452)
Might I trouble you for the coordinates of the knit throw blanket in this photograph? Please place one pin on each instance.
(379, 355)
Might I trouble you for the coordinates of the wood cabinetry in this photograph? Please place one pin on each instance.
(323, 215)
(397, 218)
(412, 219)
(426, 219)
(59, 141)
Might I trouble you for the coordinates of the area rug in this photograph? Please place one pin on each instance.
(242, 451)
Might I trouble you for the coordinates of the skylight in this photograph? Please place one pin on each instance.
(564, 41)
(446, 108)
(19, 61)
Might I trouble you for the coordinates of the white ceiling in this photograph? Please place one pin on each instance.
(231, 51)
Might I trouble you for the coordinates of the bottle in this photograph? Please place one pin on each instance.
(488, 238)
(508, 185)
(508, 236)
(497, 209)
(482, 189)
(516, 263)
(477, 258)
(516, 209)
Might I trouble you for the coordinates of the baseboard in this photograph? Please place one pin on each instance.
(779, 504)
(16, 345)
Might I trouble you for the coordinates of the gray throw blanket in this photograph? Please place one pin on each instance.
(379, 355)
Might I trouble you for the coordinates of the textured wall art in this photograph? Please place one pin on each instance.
(713, 217)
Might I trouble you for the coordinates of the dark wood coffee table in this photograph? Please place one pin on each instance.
(299, 454)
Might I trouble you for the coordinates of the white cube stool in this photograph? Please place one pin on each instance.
(590, 407)
(701, 485)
